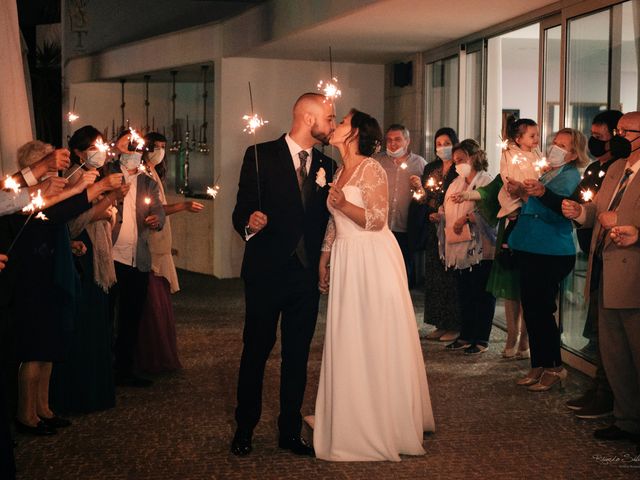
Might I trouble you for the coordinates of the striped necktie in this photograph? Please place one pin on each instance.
(615, 203)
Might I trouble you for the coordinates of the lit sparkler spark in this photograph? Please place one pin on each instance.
(100, 145)
(147, 201)
(42, 216)
(11, 184)
(135, 138)
(431, 182)
(72, 117)
(504, 144)
(403, 166)
(601, 173)
(516, 160)
(142, 168)
(587, 195)
(213, 191)
(253, 122)
(418, 195)
(37, 203)
(540, 164)
(330, 89)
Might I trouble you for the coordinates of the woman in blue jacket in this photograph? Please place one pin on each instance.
(543, 243)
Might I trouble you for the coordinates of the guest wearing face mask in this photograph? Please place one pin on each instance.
(84, 382)
(140, 213)
(400, 164)
(542, 241)
(597, 402)
(157, 350)
(441, 299)
(467, 245)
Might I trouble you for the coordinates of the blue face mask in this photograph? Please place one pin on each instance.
(130, 161)
(444, 153)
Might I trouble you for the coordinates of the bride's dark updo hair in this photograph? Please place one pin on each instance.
(369, 132)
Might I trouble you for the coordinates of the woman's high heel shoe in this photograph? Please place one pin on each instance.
(510, 352)
(532, 378)
(559, 377)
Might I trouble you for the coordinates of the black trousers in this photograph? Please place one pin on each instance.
(403, 242)
(540, 277)
(7, 463)
(477, 306)
(127, 298)
(293, 296)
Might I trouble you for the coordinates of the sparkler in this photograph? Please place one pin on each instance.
(253, 123)
(331, 93)
(417, 195)
(147, 201)
(213, 191)
(72, 116)
(541, 164)
(11, 184)
(587, 195)
(134, 137)
(504, 144)
(37, 203)
(403, 166)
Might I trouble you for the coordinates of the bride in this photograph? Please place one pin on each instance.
(373, 399)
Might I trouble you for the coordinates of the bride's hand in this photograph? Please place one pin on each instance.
(336, 197)
(323, 273)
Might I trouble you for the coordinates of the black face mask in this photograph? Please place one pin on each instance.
(621, 147)
(597, 147)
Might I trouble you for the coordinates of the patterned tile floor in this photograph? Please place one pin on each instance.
(487, 427)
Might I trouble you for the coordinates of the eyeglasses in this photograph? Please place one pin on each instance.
(622, 132)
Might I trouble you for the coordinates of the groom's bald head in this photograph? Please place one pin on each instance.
(313, 119)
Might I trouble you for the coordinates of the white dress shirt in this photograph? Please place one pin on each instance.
(124, 250)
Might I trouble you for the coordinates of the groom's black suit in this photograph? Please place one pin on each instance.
(277, 281)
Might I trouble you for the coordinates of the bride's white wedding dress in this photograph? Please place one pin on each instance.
(373, 399)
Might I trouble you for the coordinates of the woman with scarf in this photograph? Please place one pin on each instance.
(467, 245)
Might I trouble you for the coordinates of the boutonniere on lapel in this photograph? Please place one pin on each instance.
(321, 178)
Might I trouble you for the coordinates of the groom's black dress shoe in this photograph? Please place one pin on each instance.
(296, 445)
(615, 433)
(241, 443)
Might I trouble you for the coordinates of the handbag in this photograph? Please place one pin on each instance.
(453, 237)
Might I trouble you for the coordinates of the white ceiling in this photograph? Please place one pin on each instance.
(388, 29)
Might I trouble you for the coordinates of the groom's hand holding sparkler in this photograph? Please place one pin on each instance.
(257, 221)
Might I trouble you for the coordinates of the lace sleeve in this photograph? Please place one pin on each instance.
(329, 235)
(375, 193)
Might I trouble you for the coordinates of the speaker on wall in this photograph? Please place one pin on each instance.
(402, 74)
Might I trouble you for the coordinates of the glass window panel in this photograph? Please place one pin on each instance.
(551, 86)
(587, 69)
(588, 54)
(442, 99)
(512, 84)
(473, 96)
(630, 57)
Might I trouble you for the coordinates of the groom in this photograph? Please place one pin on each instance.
(283, 230)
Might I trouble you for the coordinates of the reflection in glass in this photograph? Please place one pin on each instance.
(551, 86)
(473, 96)
(442, 99)
(512, 84)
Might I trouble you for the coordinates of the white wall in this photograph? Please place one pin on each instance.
(276, 84)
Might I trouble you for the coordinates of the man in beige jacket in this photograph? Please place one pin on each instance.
(614, 275)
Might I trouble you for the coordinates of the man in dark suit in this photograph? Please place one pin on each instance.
(281, 213)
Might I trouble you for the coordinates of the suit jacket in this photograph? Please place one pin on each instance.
(145, 187)
(620, 265)
(288, 219)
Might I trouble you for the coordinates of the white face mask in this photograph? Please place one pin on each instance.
(463, 169)
(556, 156)
(398, 153)
(96, 159)
(444, 152)
(156, 156)
(130, 161)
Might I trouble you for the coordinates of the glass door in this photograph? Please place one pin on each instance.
(441, 99)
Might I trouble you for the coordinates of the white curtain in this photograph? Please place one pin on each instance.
(15, 120)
